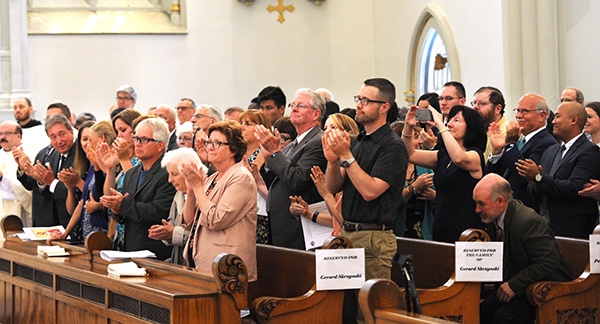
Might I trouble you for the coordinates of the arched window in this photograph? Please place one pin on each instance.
(434, 58)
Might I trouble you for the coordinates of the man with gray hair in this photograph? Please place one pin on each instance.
(126, 97)
(292, 167)
(571, 94)
(147, 193)
(205, 116)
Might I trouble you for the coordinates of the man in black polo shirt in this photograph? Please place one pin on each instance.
(371, 171)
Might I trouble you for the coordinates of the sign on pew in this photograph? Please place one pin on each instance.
(478, 261)
(595, 253)
(340, 269)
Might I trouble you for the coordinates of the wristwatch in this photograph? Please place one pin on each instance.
(346, 163)
(538, 177)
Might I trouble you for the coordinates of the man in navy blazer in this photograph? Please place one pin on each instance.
(563, 171)
(147, 193)
(292, 166)
(531, 115)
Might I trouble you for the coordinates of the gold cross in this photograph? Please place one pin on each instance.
(280, 8)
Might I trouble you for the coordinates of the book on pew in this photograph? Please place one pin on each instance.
(41, 233)
(110, 255)
(52, 251)
(126, 269)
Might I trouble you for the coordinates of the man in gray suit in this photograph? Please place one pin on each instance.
(530, 251)
(292, 165)
(147, 194)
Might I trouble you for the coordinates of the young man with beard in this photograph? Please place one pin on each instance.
(489, 102)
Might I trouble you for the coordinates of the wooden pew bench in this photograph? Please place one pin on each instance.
(285, 291)
(77, 289)
(439, 294)
(575, 301)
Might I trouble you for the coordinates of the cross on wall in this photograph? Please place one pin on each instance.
(280, 8)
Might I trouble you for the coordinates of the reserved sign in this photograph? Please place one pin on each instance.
(478, 261)
(595, 253)
(340, 269)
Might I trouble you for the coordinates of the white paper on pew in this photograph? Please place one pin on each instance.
(315, 234)
(126, 269)
(595, 253)
(110, 255)
(340, 269)
(478, 261)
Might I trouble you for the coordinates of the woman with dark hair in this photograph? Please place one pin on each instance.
(458, 165)
(429, 99)
(220, 211)
(592, 125)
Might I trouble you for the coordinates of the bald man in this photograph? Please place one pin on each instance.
(530, 251)
(563, 171)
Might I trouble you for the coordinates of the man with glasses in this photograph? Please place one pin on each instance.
(453, 93)
(186, 108)
(531, 114)
(147, 193)
(571, 94)
(292, 167)
(489, 102)
(126, 97)
(14, 198)
(272, 102)
(371, 172)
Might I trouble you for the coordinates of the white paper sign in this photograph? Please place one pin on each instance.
(595, 253)
(315, 234)
(478, 261)
(340, 269)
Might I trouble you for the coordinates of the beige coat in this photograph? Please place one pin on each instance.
(227, 221)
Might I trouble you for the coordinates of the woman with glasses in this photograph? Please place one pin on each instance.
(253, 160)
(89, 215)
(185, 135)
(220, 211)
(115, 160)
(458, 165)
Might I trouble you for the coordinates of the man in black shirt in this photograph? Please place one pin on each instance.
(22, 112)
(371, 171)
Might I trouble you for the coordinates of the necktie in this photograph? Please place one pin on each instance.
(499, 232)
(557, 159)
(62, 162)
(521, 143)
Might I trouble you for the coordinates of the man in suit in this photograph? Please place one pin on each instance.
(370, 171)
(531, 116)
(530, 251)
(147, 194)
(563, 171)
(169, 114)
(291, 167)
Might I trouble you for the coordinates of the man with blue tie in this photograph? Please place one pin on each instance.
(563, 170)
(531, 115)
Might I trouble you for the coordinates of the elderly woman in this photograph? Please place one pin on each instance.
(458, 166)
(185, 135)
(220, 211)
(171, 232)
(89, 215)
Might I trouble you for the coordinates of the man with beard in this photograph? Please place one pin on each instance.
(34, 136)
(489, 102)
(370, 171)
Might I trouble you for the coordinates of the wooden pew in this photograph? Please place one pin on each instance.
(382, 302)
(285, 291)
(439, 294)
(576, 301)
(76, 289)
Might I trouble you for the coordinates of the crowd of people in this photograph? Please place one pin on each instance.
(190, 182)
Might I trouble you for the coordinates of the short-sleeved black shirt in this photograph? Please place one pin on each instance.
(382, 155)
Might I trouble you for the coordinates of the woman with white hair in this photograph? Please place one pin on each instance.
(185, 135)
(171, 232)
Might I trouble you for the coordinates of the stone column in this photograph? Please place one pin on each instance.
(14, 71)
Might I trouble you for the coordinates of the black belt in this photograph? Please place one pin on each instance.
(353, 227)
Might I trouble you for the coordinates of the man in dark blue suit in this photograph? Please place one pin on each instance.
(563, 171)
(531, 116)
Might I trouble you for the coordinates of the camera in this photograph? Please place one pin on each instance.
(423, 115)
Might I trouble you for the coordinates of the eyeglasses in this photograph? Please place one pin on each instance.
(524, 111)
(299, 105)
(123, 98)
(479, 103)
(198, 116)
(448, 98)
(214, 144)
(285, 138)
(8, 133)
(143, 140)
(184, 108)
(185, 138)
(366, 101)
